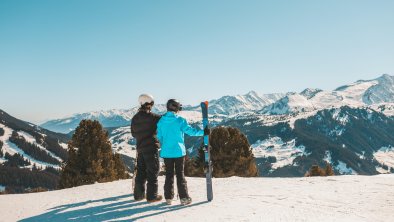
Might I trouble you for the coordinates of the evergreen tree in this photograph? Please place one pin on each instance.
(231, 155)
(90, 157)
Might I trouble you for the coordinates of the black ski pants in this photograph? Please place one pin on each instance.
(147, 170)
(176, 164)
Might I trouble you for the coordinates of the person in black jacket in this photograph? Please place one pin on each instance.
(143, 128)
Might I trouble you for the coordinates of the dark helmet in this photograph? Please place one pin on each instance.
(174, 105)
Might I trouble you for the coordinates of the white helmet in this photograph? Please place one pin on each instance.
(145, 98)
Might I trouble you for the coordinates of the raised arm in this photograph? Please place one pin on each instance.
(186, 128)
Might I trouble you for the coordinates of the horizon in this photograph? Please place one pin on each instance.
(66, 57)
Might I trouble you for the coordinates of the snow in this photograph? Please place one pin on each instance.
(327, 157)
(344, 169)
(30, 139)
(64, 145)
(356, 91)
(11, 148)
(284, 152)
(191, 116)
(291, 103)
(385, 156)
(323, 199)
(120, 141)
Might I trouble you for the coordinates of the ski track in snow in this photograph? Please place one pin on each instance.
(339, 198)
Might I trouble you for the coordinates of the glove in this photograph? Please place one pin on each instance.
(207, 131)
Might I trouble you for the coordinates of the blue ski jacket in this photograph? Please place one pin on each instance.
(170, 132)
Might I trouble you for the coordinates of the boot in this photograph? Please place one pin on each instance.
(158, 198)
(169, 201)
(186, 201)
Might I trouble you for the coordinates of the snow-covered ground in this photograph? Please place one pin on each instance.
(340, 198)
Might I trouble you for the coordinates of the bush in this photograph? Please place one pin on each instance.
(231, 155)
(318, 171)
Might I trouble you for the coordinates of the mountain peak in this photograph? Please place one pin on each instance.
(386, 77)
(252, 92)
(310, 92)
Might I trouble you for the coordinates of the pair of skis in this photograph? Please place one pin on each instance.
(207, 152)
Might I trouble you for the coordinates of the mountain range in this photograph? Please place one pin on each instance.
(363, 93)
(350, 128)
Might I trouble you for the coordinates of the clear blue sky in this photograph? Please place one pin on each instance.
(62, 57)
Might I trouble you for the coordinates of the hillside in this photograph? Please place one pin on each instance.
(341, 198)
(30, 156)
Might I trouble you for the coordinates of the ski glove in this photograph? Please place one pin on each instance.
(207, 131)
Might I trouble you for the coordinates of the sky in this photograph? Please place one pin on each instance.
(70, 56)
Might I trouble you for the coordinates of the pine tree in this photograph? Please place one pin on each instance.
(90, 157)
(231, 155)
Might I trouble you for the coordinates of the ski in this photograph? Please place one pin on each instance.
(207, 151)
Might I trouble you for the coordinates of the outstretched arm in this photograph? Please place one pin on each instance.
(186, 128)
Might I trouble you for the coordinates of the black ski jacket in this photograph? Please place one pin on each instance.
(143, 129)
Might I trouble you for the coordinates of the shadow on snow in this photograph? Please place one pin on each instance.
(120, 207)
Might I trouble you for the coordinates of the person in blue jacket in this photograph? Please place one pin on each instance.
(170, 132)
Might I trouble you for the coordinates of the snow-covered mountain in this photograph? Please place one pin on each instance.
(252, 101)
(108, 118)
(30, 156)
(221, 108)
(359, 94)
(291, 103)
(36, 145)
(311, 199)
(352, 140)
(362, 93)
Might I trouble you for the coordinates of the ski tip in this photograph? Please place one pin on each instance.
(205, 103)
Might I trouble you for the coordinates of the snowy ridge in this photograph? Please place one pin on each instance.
(359, 94)
(220, 108)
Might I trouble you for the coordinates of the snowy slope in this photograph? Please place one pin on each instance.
(11, 148)
(284, 152)
(291, 103)
(341, 198)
